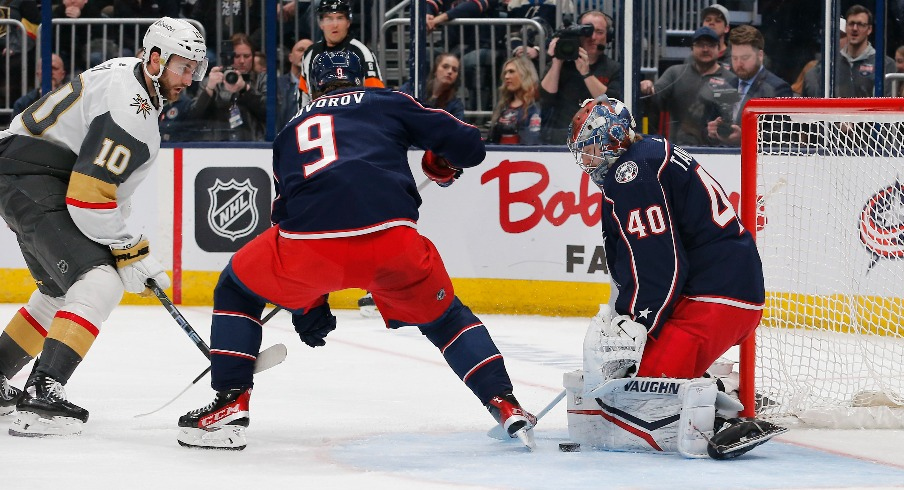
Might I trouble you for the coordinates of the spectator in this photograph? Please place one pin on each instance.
(335, 22)
(28, 13)
(543, 12)
(479, 61)
(441, 90)
(260, 62)
(235, 17)
(899, 68)
(233, 99)
(516, 118)
(798, 86)
(855, 70)
(754, 81)
(716, 18)
(57, 77)
(568, 83)
(136, 9)
(687, 91)
(74, 38)
(287, 84)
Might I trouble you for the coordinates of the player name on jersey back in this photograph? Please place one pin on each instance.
(333, 101)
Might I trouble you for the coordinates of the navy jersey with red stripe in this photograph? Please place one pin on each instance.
(670, 231)
(341, 165)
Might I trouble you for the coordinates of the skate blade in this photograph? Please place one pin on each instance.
(30, 424)
(526, 436)
(230, 437)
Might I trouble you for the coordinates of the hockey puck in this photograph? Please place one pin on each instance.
(569, 447)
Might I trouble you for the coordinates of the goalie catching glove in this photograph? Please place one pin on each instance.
(438, 169)
(135, 266)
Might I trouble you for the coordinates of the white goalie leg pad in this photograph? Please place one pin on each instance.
(30, 424)
(698, 417)
(225, 437)
(95, 294)
(627, 414)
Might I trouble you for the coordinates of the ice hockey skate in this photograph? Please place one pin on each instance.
(368, 307)
(514, 419)
(219, 425)
(44, 410)
(739, 435)
(9, 395)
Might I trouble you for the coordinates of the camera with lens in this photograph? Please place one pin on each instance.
(727, 99)
(570, 41)
(230, 76)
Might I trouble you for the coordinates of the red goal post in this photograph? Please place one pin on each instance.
(802, 139)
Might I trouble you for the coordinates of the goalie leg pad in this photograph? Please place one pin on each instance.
(642, 414)
(468, 348)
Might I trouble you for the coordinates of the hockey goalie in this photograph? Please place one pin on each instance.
(689, 287)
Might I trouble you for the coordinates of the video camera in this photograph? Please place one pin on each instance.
(570, 41)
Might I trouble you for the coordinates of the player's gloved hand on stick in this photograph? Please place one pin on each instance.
(315, 325)
(135, 265)
(438, 169)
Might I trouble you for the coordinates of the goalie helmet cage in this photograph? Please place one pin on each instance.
(822, 190)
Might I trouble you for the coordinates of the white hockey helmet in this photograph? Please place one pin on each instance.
(176, 36)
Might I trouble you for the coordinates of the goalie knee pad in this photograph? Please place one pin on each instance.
(466, 345)
(642, 414)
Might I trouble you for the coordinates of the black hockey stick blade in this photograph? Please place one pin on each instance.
(498, 432)
(269, 357)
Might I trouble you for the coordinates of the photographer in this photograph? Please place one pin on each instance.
(754, 81)
(233, 98)
(578, 70)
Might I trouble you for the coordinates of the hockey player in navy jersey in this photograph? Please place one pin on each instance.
(345, 216)
(71, 161)
(688, 275)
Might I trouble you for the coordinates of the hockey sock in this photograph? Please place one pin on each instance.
(235, 336)
(20, 342)
(68, 340)
(466, 344)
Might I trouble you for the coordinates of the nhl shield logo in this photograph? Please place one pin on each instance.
(232, 213)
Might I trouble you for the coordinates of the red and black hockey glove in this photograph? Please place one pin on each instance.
(439, 170)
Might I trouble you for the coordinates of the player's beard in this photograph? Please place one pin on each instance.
(169, 89)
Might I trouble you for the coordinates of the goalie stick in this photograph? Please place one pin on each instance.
(498, 432)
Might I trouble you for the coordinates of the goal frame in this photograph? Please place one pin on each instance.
(748, 201)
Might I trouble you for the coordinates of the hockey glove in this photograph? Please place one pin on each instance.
(135, 266)
(315, 325)
(622, 344)
(439, 170)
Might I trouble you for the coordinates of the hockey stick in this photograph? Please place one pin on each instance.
(423, 185)
(498, 432)
(267, 358)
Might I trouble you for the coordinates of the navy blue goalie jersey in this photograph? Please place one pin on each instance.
(671, 232)
(341, 165)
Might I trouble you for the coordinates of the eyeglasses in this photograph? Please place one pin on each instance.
(859, 25)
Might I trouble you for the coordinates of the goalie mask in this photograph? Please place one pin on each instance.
(601, 131)
(336, 66)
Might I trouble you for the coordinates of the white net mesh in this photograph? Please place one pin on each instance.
(831, 347)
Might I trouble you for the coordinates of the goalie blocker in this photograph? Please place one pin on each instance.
(661, 415)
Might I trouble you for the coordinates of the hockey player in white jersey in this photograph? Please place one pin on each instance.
(68, 166)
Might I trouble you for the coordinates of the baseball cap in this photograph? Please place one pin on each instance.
(715, 8)
(705, 32)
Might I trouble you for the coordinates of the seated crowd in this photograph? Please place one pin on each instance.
(694, 103)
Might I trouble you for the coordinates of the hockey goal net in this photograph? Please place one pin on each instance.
(823, 179)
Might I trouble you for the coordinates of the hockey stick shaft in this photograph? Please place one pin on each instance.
(180, 320)
(423, 185)
(498, 432)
